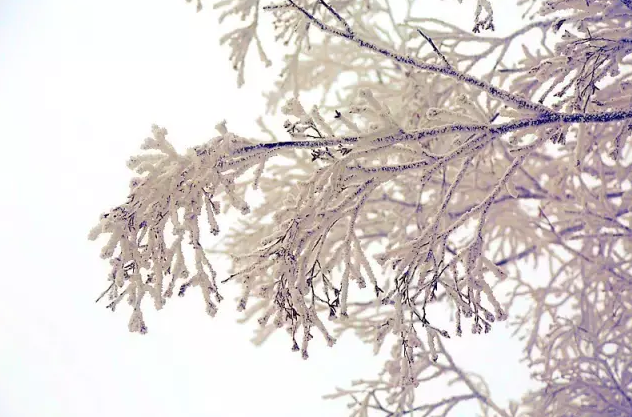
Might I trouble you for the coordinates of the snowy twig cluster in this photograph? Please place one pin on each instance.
(437, 170)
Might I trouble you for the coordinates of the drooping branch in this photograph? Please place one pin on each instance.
(465, 188)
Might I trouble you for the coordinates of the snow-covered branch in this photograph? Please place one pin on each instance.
(427, 180)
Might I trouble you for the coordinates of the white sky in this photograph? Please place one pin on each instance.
(80, 85)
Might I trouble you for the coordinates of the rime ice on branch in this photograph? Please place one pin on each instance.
(431, 179)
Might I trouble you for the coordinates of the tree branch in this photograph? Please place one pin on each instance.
(509, 98)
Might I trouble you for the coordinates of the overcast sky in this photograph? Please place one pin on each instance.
(81, 83)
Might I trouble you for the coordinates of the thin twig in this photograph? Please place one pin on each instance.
(337, 16)
(104, 292)
(429, 39)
